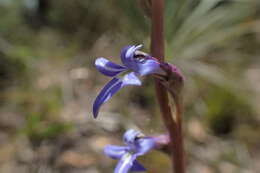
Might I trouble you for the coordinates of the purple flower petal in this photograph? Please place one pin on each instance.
(127, 55)
(106, 93)
(136, 145)
(111, 88)
(108, 68)
(130, 136)
(148, 66)
(115, 152)
(137, 167)
(123, 52)
(135, 140)
(144, 145)
(143, 65)
(131, 79)
(125, 163)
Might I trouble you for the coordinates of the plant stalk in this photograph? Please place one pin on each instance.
(173, 125)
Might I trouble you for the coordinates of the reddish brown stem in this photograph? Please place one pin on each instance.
(179, 150)
(173, 126)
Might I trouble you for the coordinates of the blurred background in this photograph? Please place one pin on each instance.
(48, 83)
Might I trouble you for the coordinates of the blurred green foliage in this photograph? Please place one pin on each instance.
(224, 109)
(10, 68)
(38, 129)
(42, 111)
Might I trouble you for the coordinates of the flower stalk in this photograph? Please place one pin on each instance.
(173, 125)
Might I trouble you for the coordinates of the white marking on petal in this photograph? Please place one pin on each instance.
(127, 158)
(131, 79)
(129, 51)
(116, 152)
(139, 46)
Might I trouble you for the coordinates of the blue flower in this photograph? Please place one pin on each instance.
(135, 63)
(136, 145)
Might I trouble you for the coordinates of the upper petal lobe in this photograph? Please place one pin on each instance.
(127, 55)
(130, 136)
(139, 62)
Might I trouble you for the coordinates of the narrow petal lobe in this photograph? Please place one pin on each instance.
(127, 55)
(111, 88)
(108, 68)
(115, 152)
(106, 93)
